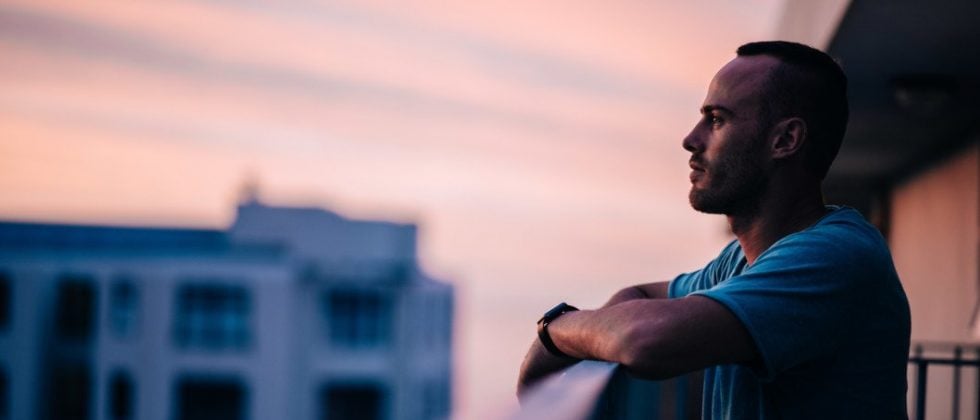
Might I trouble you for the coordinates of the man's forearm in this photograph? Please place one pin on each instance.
(656, 338)
(590, 334)
(657, 290)
(539, 362)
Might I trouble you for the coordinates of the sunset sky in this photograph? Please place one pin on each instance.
(537, 144)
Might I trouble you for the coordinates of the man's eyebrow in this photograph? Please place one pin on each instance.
(709, 108)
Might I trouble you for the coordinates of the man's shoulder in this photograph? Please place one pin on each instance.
(843, 230)
(842, 241)
(717, 270)
(846, 220)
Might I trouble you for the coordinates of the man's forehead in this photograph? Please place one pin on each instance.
(750, 66)
(742, 79)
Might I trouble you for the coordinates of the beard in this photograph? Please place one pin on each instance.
(733, 184)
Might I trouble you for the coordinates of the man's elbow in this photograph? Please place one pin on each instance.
(645, 353)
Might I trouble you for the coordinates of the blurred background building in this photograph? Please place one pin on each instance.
(294, 313)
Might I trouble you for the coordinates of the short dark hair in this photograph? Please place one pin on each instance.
(808, 84)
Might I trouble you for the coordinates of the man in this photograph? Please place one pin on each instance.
(802, 316)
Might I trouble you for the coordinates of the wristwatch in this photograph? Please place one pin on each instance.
(549, 316)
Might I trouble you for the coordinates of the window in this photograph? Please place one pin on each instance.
(446, 321)
(123, 306)
(4, 397)
(4, 301)
(435, 399)
(351, 402)
(213, 317)
(120, 396)
(358, 319)
(438, 314)
(71, 389)
(210, 399)
(75, 308)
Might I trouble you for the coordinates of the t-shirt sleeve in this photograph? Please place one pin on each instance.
(706, 277)
(795, 299)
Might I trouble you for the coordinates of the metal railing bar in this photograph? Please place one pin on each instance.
(957, 362)
(947, 345)
(921, 369)
(957, 356)
(950, 362)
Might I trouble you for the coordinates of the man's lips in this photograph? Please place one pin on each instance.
(697, 166)
(697, 170)
(695, 175)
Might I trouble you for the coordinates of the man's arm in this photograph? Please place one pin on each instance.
(656, 290)
(656, 338)
(539, 363)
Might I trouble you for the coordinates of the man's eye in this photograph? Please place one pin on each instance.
(714, 119)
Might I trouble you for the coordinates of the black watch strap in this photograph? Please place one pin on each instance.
(548, 317)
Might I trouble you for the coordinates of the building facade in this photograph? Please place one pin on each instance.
(290, 313)
(911, 163)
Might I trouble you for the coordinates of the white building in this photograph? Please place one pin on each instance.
(289, 314)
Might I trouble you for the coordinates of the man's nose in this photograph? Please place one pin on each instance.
(692, 143)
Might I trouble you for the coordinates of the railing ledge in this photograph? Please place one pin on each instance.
(569, 395)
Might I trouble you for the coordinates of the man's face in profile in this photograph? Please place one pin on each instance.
(728, 144)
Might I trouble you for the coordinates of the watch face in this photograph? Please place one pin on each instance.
(557, 310)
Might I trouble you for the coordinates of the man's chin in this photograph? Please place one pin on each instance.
(704, 204)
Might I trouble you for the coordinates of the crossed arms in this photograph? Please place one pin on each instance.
(647, 333)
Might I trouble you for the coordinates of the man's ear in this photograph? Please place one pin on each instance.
(788, 137)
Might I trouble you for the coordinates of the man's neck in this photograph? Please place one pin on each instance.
(775, 217)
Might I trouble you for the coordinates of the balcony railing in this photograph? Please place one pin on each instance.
(594, 390)
(570, 395)
(954, 355)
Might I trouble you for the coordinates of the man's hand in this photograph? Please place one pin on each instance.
(538, 364)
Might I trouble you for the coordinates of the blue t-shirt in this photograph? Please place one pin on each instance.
(828, 316)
